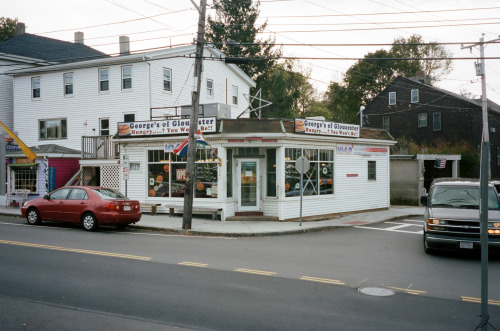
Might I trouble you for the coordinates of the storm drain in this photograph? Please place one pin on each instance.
(376, 291)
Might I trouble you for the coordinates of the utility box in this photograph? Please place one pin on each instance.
(220, 110)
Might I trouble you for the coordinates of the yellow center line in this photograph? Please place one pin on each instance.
(478, 300)
(194, 264)
(256, 272)
(322, 280)
(409, 291)
(75, 250)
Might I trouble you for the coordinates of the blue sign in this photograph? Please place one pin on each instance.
(51, 180)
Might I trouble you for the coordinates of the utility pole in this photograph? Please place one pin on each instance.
(193, 119)
(483, 184)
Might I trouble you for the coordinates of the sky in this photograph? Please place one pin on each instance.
(311, 30)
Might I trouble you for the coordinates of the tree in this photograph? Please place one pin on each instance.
(234, 32)
(7, 28)
(368, 77)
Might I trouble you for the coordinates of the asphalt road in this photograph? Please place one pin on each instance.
(60, 277)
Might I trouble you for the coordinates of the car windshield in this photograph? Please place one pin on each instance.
(108, 194)
(461, 197)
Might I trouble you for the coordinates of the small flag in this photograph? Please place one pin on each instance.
(440, 163)
(182, 149)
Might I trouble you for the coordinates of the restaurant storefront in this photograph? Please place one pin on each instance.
(249, 166)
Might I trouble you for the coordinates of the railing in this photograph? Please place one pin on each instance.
(99, 147)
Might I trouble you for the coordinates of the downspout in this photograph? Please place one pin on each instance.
(149, 88)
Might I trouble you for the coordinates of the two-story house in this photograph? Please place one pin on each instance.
(77, 105)
(414, 109)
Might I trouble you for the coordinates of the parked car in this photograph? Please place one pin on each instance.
(452, 216)
(89, 205)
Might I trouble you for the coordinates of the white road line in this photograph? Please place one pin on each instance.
(390, 230)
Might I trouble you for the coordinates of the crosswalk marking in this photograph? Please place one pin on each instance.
(401, 227)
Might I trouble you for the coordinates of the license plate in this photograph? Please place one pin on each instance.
(126, 208)
(466, 245)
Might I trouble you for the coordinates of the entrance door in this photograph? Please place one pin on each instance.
(249, 185)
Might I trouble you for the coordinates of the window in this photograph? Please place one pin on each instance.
(210, 88)
(235, 95)
(167, 79)
(103, 80)
(68, 84)
(271, 172)
(229, 175)
(104, 126)
(318, 180)
(78, 194)
(35, 87)
(126, 77)
(436, 118)
(26, 178)
(167, 174)
(129, 117)
(61, 194)
(414, 96)
(422, 120)
(392, 98)
(135, 166)
(498, 155)
(52, 129)
(372, 170)
(385, 122)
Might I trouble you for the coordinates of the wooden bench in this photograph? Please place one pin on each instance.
(152, 205)
(18, 196)
(179, 209)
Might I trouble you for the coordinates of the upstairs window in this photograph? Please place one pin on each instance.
(167, 79)
(126, 77)
(210, 88)
(422, 120)
(235, 95)
(436, 118)
(392, 98)
(104, 126)
(385, 123)
(414, 96)
(129, 118)
(35, 87)
(68, 84)
(103, 80)
(53, 129)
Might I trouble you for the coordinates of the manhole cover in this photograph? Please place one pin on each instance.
(376, 291)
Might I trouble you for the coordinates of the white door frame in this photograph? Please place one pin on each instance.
(257, 206)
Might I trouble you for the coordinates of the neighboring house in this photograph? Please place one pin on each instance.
(414, 109)
(78, 105)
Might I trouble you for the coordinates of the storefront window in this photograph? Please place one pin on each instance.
(271, 173)
(167, 174)
(317, 181)
(26, 178)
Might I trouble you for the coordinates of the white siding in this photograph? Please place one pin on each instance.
(6, 99)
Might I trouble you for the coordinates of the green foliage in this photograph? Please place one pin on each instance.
(7, 28)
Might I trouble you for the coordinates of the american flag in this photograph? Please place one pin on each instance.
(440, 163)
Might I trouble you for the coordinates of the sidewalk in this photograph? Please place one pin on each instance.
(205, 226)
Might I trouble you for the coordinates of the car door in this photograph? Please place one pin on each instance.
(75, 205)
(52, 209)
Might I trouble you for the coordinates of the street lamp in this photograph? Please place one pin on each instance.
(361, 115)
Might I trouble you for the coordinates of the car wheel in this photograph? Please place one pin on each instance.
(89, 222)
(33, 217)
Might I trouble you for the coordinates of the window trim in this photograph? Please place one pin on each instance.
(414, 93)
(169, 81)
(64, 129)
(392, 98)
(66, 75)
(434, 122)
(419, 122)
(100, 80)
(33, 97)
(124, 79)
(101, 126)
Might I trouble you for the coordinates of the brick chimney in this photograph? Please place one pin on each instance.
(124, 45)
(79, 37)
(20, 28)
(421, 77)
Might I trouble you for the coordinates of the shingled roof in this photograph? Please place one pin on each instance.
(48, 49)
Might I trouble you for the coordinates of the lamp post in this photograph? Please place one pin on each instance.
(361, 115)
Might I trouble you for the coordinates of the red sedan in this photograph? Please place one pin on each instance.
(89, 205)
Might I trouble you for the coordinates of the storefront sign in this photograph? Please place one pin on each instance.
(180, 174)
(178, 126)
(326, 128)
(348, 149)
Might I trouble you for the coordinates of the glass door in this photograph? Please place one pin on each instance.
(249, 183)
